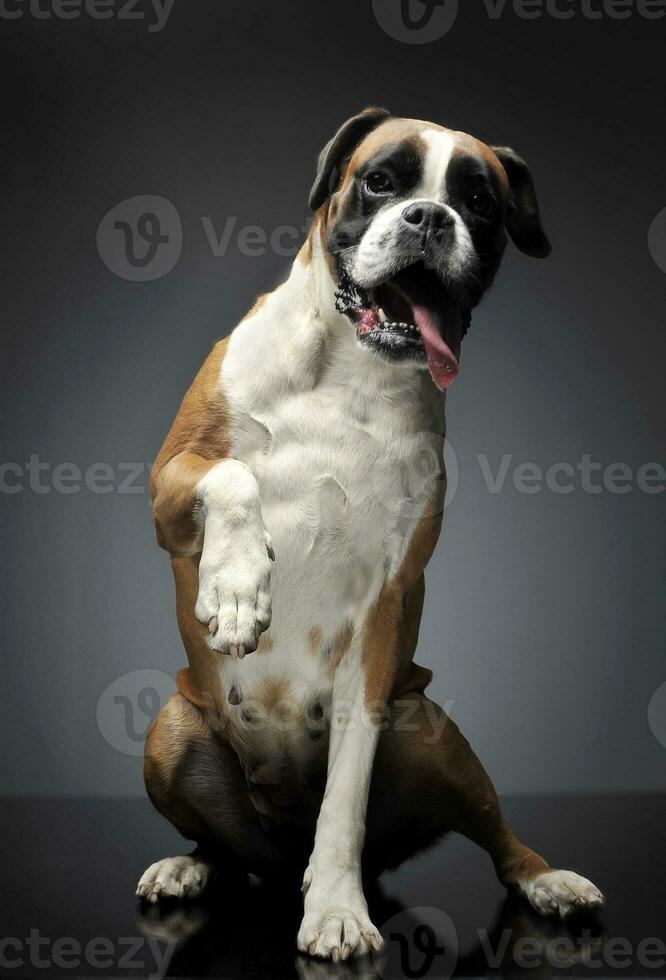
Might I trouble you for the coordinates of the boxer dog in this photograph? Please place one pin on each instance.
(299, 494)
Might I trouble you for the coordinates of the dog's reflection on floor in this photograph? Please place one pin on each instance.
(248, 929)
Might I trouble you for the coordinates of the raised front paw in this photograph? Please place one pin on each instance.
(234, 599)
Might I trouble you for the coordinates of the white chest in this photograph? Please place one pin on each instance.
(342, 485)
(346, 459)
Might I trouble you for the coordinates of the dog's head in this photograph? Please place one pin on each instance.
(415, 218)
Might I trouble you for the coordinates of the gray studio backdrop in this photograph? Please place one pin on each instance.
(544, 613)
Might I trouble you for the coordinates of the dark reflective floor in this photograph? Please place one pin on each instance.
(69, 869)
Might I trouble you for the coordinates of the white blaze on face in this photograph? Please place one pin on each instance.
(438, 158)
(440, 146)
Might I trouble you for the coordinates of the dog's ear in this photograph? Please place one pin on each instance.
(523, 220)
(339, 149)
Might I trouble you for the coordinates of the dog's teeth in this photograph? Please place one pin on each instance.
(382, 314)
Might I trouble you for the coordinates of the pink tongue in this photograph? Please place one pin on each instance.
(442, 361)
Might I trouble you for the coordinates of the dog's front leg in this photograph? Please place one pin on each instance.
(335, 923)
(214, 506)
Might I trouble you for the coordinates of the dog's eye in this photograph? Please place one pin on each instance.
(482, 204)
(379, 183)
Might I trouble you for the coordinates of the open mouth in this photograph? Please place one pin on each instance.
(409, 317)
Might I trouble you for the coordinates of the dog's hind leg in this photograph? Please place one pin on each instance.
(427, 780)
(195, 780)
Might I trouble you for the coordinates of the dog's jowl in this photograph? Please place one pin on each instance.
(299, 494)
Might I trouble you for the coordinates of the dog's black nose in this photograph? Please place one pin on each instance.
(428, 215)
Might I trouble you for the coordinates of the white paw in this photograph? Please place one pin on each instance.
(561, 893)
(178, 877)
(234, 599)
(336, 925)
